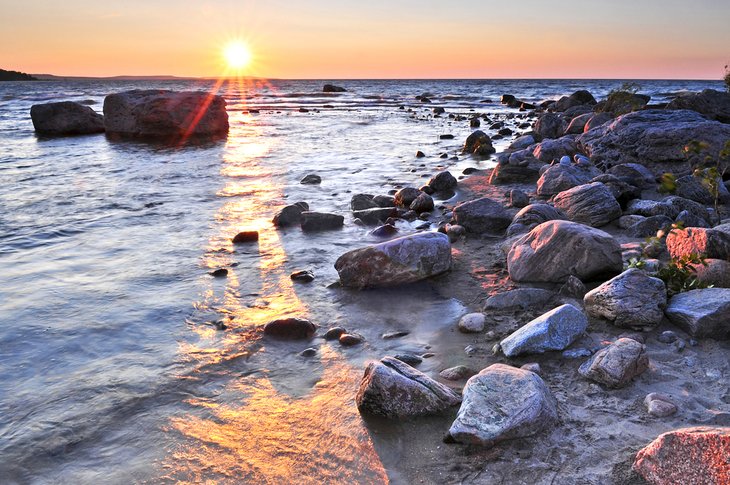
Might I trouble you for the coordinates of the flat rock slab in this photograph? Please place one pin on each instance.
(394, 389)
(554, 330)
(699, 455)
(702, 313)
(519, 299)
(482, 215)
(501, 403)
(615, 365)
(399, 261)
(631, 299)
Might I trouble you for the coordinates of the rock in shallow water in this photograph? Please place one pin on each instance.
(554, 330)
(631, 299)
(501, 403)
(160, 113)
(321, 221)
(290, 328)
(688, 456)
(393, 389)
(615, 365)
(65, 118)
(398, 261)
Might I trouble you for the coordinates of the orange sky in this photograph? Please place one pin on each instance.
(374, 39)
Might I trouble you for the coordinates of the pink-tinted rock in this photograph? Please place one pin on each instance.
(698, 240)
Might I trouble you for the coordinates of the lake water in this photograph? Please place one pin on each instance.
(112, 369)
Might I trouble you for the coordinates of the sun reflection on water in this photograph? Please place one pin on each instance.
(252, 430)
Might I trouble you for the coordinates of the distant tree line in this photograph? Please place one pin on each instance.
(15, 76)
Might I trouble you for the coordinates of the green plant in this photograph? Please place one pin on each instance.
(727, 77)
(709, 170)
(680, 274)
(623, 99)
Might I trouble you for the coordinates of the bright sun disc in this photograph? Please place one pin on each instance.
(237, 55)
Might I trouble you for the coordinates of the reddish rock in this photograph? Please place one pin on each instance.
(709, 242)
(245, 237)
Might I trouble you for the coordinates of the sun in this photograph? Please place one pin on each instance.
(237, 54)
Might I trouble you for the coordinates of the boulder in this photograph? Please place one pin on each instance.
(597, 120)
(443, 182)
(552, 149)
(321, 221)
(522, 142)
(560, 177)
(393, 389)
(360, 202)
(622, 191)
(510, 173)
(422, 203)
(65, 118)
(632, 299)
(479, 143)
(311, 179)
(715, 105)
(533, 215)
(696, 455)
(634, 174)
(699, 241)
(656, 139)
(550, 125)
(166, 114)
(702, 313)
(591, 204)
(384, 200)
(649, 226)
(290, 215)
(518, 198)
(482, 215)
(555, 250)
(502, 403)
(692, 188)
(615, 365)
(405, 196)
(577, 125)
(331, 88)
(398, 261)
(471, 323)
(376, 215)
(519, 299)
(554, 330)
(290, 329)
(715, 272)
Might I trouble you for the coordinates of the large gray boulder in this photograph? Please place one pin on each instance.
(592, 204)
(631, 299)
(502, 403)
(553, 149)
(550, 125)
(560, 177)
(715, 105)
(702, 313)
(699, 241)
(554, 250)
(615, 365)
(482, 215)
(533, 215)
(165, 114)
(554, 330)
(65, 118)
(398, 261)
(393, 389)
(656, 139)
(696, 455)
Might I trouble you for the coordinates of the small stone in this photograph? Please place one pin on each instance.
(667, 337)
(659, 405)
(219, 273)
(311, 179)
(334, 333)
(349, 339)
(532, 367)
(518, 198)
(472, 323)
(420, 154)
(290, 328)
(457, 373)
(246, 237)
(576, 353)
(310, 352)
(303, 276)
(615, 365)
(408, 358)
(391, 335)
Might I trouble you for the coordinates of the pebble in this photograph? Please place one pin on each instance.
(471, 350)
(397, 334)
(667, 337)
(311, 179)
(532, 367)
(659, 405)
(456, 373)
(472, 323)
(576, 353)
(219, 273)
(304, 276)
(334, 333)
(410, 359)
(310, 352)
(348, 339)
(428, 355)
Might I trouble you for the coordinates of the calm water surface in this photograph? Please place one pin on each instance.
(111, 366)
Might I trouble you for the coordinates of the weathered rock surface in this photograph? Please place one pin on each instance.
(65, 118)
(702, 313)
(405, 196)
(161, 113)
(290, 328)
(548, 150)
(696, 455)
(519, 298)
(715, 105)
(654, 138)
(472, 323)
(479, 143)
(502, 403)
(533, 215)
(375, 215)
(290, 215)
(615, 365)
(578, 124)
(715, 272)
(659, 405)
(554, 330)
(591, 204)
(482, 215)
(443, 181)
(393, 389)
(555, 250)
(631, 299)
(321, 221)
(398, 261)
(634, 174)
(560, 177)
(550, 125)
(698, 240)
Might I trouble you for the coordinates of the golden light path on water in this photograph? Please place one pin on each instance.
(258, 433)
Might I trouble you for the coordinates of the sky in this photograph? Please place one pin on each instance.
(346, 39)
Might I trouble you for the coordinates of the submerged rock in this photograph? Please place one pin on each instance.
(246, 237)
(702, 313)
(65, 118)
(554, 330)
(631, 299)
(311, 179)
(161, 113)
(321, 221)
(482, 215)
(555, 250)
(502, 403)
(331, 88)
(393, 389)
(615, 365)
(398, 261)
(479, 143)
(290, 215)
(696, 455)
